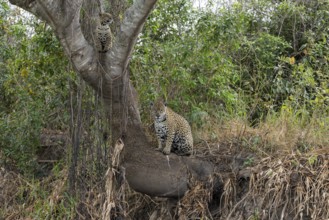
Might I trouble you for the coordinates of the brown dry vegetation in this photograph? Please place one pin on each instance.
(274, 171)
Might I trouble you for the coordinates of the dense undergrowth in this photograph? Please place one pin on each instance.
(247, 76)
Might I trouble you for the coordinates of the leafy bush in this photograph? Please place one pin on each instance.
(243, 60)
(34, 88)
(178, 63)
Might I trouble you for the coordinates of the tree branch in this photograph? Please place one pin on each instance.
(126, 37)
(63, 16)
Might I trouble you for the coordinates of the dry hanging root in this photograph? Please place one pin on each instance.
(114, 193)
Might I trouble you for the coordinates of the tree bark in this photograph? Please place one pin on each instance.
(147, 170)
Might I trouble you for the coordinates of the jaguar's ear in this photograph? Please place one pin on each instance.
(165, 103)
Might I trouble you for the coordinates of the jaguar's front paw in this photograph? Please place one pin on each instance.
(166, 151)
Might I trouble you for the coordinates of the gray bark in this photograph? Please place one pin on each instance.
(147, 171)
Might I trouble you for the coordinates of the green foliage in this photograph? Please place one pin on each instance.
(246, 59)
(33, 86)
(179, 64)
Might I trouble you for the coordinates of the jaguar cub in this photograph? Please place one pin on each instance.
(172, 130)
(103, 33)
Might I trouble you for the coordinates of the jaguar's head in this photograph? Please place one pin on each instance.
(105, 19)
(159, 110)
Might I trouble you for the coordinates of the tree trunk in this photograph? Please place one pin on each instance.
(147, 170)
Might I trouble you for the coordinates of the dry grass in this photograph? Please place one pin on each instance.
(290, 187)
(194, 204)
(21, 197)
(275, 136)
(9, 183)
(293, 187)
(279, 170)
(289, 168)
